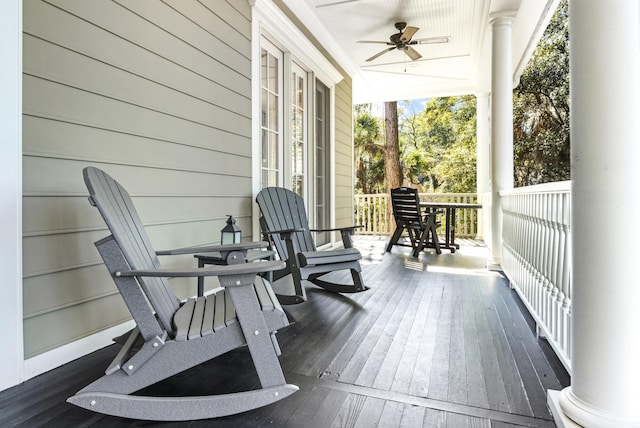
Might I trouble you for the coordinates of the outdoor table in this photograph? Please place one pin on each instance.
(450, 220)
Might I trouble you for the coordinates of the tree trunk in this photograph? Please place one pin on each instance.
(393, 173)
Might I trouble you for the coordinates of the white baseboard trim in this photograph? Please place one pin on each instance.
(57, 357)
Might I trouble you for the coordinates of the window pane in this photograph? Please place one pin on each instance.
(322, 162)
(273, 150)
(273, 74)
(265, 149)
(273, 111)
(263, 68)
(264, 113)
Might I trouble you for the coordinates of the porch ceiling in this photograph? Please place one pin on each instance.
(461, 66)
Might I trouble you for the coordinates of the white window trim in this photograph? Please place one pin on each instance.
(269, 21)
(267, 17)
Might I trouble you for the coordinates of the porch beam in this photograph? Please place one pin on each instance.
(501, 125)
(605, 107)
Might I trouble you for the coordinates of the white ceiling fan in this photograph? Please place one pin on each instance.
(402, 40)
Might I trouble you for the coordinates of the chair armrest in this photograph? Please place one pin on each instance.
(282, 231)
(226, 270)
(338, 229)
(213, 248)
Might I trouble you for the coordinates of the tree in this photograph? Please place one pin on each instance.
(393, 172)
(541, 108)
(368, 150)
(438, 146)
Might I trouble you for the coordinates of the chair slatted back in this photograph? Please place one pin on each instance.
(282, 209)
(406, 206)
(118, 212)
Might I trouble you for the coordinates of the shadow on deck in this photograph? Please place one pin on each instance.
(437, 341)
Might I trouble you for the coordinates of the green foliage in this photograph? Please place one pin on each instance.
(541, 108)
(368, 151)
(438, 145)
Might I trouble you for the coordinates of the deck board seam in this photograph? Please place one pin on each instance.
(429, 403)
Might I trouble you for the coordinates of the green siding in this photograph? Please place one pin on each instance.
(158, 94)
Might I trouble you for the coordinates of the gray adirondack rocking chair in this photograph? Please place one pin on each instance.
(285, 224)
(176, 336)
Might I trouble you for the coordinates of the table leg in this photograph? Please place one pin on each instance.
(447, 227)
(453, 231)
(200, 279)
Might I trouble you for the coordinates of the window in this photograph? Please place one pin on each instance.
(288, 147)
(299, 134)
(270, 108)
(322, 163)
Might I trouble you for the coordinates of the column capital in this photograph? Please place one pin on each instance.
(503, 17)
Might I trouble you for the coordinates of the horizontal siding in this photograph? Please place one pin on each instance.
(156, 93)
(343, 154)
(68, 324)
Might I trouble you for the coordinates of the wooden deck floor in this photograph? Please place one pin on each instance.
(437, 342)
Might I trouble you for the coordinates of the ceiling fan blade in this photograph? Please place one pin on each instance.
(408, 33)
(412, 53)
(381, 53)
(430, 40)
(376, 42)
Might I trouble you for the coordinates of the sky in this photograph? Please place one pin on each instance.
(415, 106)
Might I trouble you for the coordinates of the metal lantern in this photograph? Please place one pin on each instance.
(231, 234)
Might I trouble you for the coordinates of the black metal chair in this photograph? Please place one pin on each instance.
(410, 217)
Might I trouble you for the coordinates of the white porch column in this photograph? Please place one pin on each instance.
(501, 126)
(605, 149)
(11, 354)
(482, 155)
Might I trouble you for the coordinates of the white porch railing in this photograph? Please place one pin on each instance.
(536, 254)
(371, 212)
(536, 257)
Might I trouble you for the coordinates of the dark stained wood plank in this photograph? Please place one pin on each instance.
(421, 381)
(371, 412)
(386, 373)
(412, 416)
(328, 410)
(457, 420)
(350, 348)
(348, 362)
(355, 371)
(382, 365)
(391, 414)
(434, 418)
(522, 342)
(334, 334)
(476, 392)
(516, 396)
(494, 381)
(411, 356)
(350, 411)
(303, 414)
(439, 380)
(379, 358)
(500, 424)
(457, 382)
